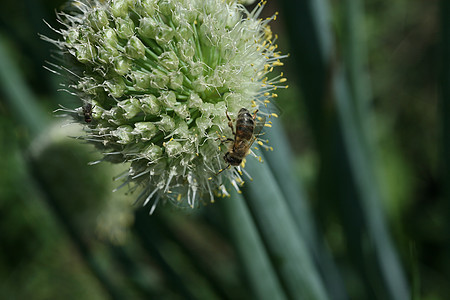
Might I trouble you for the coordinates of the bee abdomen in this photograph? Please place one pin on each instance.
(245, 124)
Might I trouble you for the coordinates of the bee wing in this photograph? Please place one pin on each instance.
(259, 125)
(260, 121)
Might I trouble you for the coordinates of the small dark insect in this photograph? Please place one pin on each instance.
(245, 135)
(87, 111)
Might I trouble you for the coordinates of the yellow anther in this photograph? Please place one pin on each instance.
(275, 115)
(210, 178)
(277, 63)
(283, 80)
(260, 143)
(179, 198)
(268, 125)
(271, 148)
(274, 95)
(266, 94)
(266, 101)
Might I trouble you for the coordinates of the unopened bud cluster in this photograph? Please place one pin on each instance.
(157, 79)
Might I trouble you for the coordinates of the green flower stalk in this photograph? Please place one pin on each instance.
(157, 79)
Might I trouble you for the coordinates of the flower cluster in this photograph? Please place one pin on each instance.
(157, 79)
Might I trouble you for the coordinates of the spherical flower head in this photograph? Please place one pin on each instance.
(158, 80)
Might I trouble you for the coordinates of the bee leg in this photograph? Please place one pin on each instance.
(254, 114)
(227, 140)
(223, 139)
(221, 170)
(230, 123)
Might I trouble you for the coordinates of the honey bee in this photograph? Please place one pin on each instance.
(246, 132)
(87, 111)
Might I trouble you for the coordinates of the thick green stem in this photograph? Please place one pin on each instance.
(19, 97)
(260, 271)
(285, 244)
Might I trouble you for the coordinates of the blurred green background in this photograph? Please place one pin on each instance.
(365, 118)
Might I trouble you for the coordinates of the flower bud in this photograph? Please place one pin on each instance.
(116, 87)
(152, 152)
(149, 6)
(131, 107)
(122, 65)
(147, 130)
(150, 105)
(135, 48)
(124, 134)
(176, 80)
(168, 99)
(124, 27)
(148, 28)
(98, 18)
(166, 124)
(173, 148)
(119, 8)
(169, 60)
